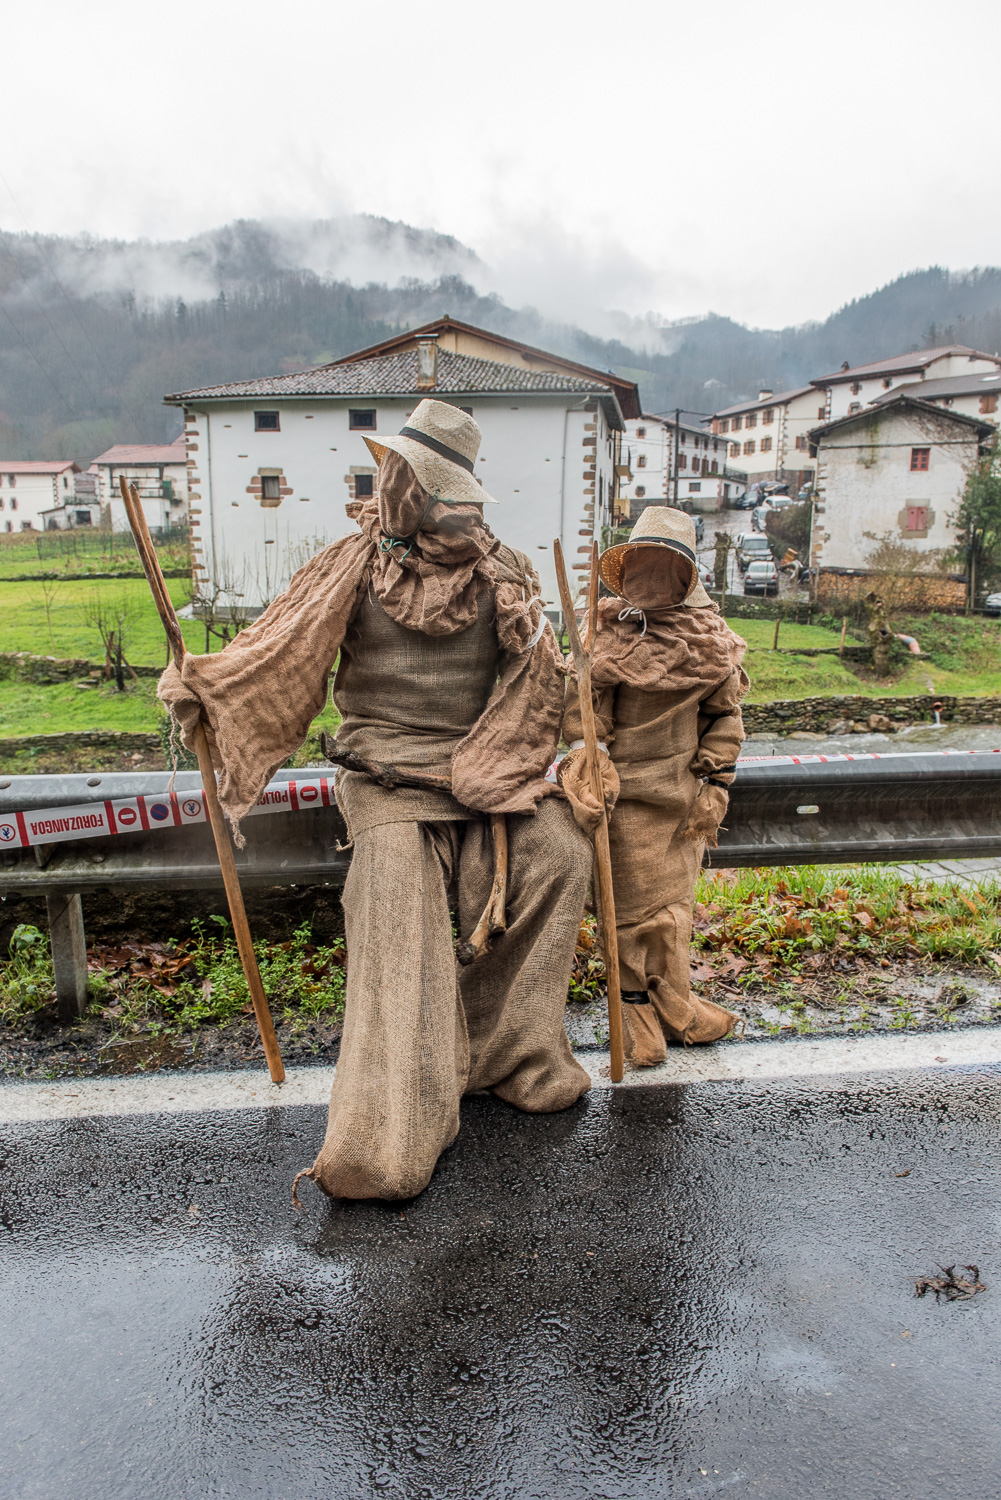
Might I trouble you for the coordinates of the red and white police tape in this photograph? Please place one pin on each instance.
(89, 820)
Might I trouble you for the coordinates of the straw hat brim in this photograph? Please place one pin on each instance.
(439, 476)
(610, 570)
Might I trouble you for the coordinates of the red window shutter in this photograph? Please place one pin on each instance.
(919, 459)
(917, 518)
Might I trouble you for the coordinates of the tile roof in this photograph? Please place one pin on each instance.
(901, 398)
(145, 453)
(396, 375)
(35, 465)
(977, 383)
(917, 359)
(778, 398)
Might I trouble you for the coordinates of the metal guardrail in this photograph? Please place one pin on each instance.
(782, 812)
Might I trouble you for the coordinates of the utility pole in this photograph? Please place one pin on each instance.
(677, 451)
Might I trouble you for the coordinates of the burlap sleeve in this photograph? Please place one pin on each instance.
(259, 696)
(501, 764)
(721, 729)
(721, 734)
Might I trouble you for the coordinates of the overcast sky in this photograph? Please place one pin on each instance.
(767, 161)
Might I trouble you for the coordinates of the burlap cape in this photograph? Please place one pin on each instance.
(260, 695)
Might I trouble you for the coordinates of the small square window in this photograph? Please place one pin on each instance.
(919, 459)
(13, 480)
(694, 487)
(640, 491)
(363, 486)
(821, 413)
(641, 461)
(749, 447)
(266, 421)
(988, 404)
(766, 445)
(271, 485)
(361, 421)
(641, 432)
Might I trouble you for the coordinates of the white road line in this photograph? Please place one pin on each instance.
(825, 1060)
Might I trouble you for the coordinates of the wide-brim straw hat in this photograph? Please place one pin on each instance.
(658, 526)
(440, 443)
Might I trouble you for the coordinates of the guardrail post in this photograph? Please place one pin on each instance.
(69, 952)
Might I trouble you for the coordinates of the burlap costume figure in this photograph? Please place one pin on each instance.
(447, 665)
(667, 683)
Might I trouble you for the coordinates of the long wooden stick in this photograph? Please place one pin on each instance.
(603, 854)
(220, 832)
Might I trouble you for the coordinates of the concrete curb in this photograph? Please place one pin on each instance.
(824, 1060)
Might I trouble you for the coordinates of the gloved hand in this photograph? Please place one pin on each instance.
(576, 784)
(705, 815)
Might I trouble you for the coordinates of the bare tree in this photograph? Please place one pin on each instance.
(47, 588)
(112, 617)
(895, 565)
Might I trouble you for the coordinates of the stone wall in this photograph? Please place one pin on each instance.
(916, 591)
(817, 714)
(21, 666)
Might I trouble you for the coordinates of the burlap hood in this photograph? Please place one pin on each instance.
(679, 648)
(260, 695)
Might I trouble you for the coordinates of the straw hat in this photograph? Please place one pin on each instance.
(658, 526)
(440, 443)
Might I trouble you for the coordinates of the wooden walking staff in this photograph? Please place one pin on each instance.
(223, 843)
(603, 855)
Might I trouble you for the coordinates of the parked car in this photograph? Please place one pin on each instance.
(761, 578)
(760, 514)
(752, 547)
(992, 604)
(780, 502)
(747, 501)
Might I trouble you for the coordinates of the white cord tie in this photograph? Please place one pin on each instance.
(543, 622)
(631, 609)
(579, 745)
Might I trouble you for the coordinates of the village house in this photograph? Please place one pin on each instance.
(892, 472)
(160, 473)
(768, 437)
(704, 480)
(853, 387)
(273, 462)
(973, 395)
(29, 487)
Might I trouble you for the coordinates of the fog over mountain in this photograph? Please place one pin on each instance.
(94, 332)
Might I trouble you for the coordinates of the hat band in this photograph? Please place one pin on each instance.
(664, 542)
(440, 448)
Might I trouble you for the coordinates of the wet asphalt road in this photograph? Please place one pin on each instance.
(680, 1291)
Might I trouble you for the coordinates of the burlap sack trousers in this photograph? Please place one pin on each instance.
(419, 1030)
(654, 868)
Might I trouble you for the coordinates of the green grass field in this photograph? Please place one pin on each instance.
(62, 629)
(969, 652)
(78, 553)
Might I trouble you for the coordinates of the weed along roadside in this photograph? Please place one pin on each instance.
(805, 951)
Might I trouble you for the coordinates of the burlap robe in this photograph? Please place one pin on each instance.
(420, 1031)
(668, 706)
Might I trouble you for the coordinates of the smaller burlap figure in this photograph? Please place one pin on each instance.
(667, 685)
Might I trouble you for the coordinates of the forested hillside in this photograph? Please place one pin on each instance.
(93, 334)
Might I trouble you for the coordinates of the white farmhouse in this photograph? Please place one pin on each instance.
(894, 471)
(272, 462)
(160, 473)
(973, 395)
(699, 480)
(768, 438)
(853, 387)
(29, 486)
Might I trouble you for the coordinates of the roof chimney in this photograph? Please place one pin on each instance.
(427, 361)
(764, 395)
(845, 365)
